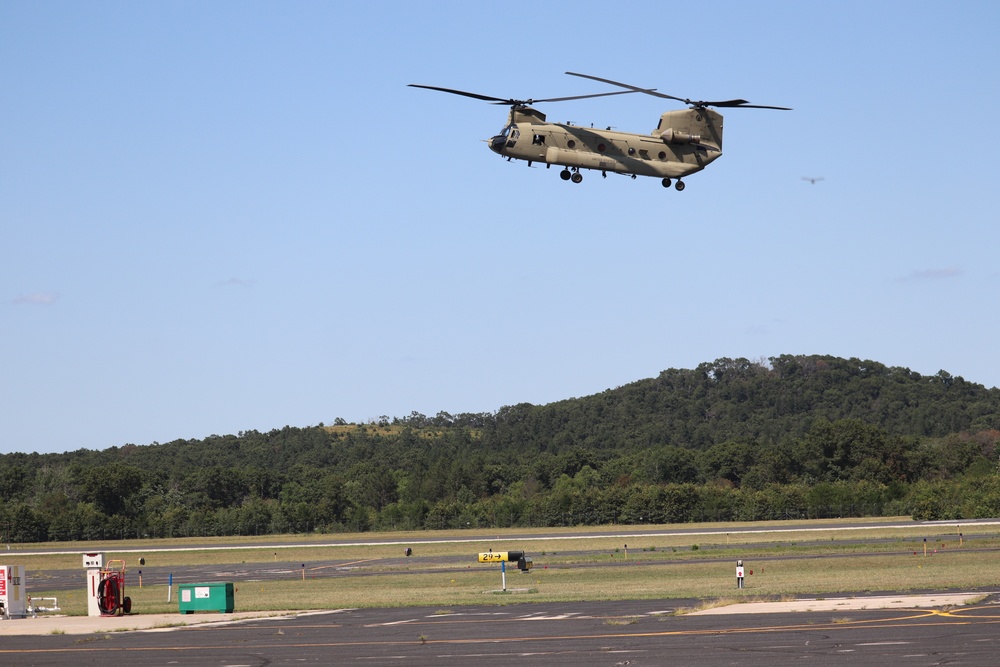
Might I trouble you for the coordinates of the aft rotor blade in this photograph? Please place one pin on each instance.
(749, 106)
(582, 97)
(732, 104)
(634, 89)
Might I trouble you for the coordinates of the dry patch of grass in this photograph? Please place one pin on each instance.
(726, 601)
(622, 620)
(425, 433)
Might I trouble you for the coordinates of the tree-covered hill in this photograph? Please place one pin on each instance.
(733, 399)
(731, 439)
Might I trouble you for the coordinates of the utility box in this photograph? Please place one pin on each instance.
(93, 561)
(215, 596)
(13, 592)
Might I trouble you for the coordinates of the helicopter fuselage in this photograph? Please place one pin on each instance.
(685, 142)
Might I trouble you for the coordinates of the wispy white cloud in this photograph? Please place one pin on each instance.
(935, 274)
(36, 298)
(236, 282)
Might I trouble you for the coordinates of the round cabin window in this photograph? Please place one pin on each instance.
(571, 144)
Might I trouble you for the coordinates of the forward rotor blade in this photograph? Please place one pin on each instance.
(513, 102)
(477, 96)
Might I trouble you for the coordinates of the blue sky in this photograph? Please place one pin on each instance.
(217, 217)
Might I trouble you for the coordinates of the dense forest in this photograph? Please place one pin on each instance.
(733, 439)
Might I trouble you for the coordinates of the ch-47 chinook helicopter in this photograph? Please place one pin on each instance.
(684, 142)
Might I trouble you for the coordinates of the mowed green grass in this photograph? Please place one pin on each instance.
(447, 573)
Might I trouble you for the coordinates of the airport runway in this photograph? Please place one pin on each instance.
(943, 528)
(279, 568)
(611, 634)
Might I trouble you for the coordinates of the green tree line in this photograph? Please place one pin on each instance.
(789, 437)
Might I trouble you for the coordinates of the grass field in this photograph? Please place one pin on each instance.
(819, 561)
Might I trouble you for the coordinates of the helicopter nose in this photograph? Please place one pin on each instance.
(497, 143)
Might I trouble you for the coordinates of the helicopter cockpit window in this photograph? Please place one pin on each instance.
(513, 136)
(538, 140)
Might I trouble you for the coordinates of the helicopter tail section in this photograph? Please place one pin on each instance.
(699, 126)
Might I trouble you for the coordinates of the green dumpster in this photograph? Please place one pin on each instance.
(214, 596)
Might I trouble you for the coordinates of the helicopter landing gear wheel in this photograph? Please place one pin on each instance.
(565, 175)
(577, 177)
(666, 182)
(680, 186)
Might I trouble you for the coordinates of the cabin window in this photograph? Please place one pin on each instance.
(538, 140)
(631, 151)
(601, 148)
(662, 155)
(512, 138)
(571, 144)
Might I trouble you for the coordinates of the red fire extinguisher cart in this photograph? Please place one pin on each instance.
(111, 598)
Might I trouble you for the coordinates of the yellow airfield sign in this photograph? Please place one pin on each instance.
(500, 556)
(493, 557)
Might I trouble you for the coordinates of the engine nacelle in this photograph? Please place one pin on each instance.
(672, 136)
